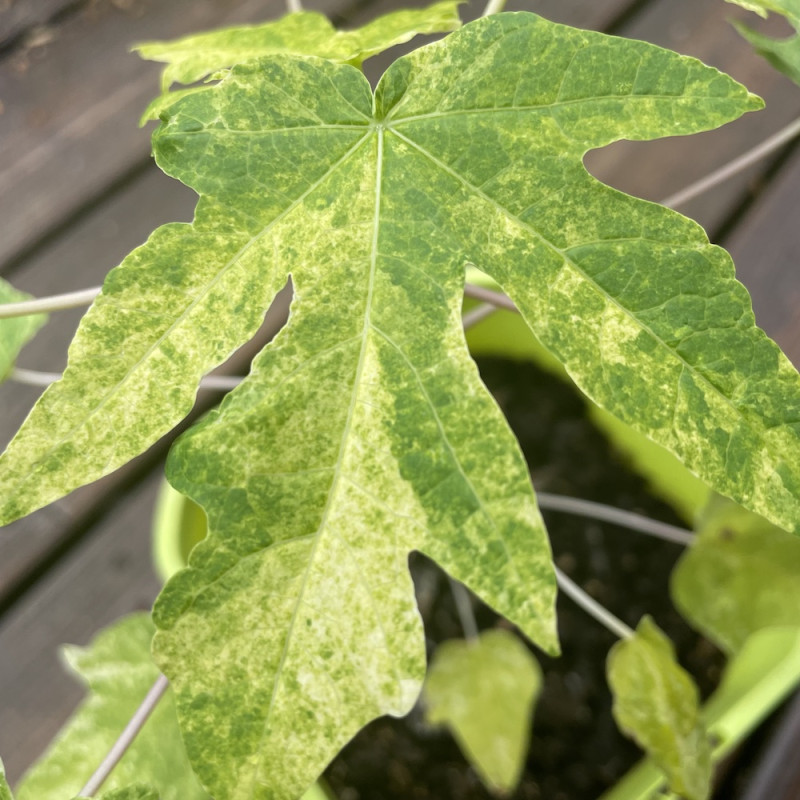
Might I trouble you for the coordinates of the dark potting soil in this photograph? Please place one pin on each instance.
(576, 752)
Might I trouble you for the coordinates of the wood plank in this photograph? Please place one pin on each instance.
(18, 17)
(69, 127)
(108, 576)
(765, 246)
(657, 169)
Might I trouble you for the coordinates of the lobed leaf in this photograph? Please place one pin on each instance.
(15, 331)
(656, 702)
(783, 54)
(363, 432)
(757, 564)
(485, 691)
(193, 58)
(119, 671)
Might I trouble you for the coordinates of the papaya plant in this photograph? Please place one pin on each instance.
(363, 432)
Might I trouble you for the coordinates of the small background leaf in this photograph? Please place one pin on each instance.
(783, 54)
(307, 33)
(5, 790)
(15, 332)
(119, 671)
(741, 574)
(759, 677)
(484, 691)
(656, 702)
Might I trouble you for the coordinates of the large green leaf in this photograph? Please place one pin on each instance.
(656, 702)
(484, 691)
(740, 575)
(783, 54)
(478, 144)
(15, 331)
(119, 671)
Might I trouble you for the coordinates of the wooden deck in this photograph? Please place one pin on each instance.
(78, 190)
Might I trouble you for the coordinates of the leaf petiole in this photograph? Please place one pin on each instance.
(592, 607)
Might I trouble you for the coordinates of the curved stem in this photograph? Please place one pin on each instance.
(617, 516)
(592, 607)
(766, 147)
(493, 6)
(120, 747)
(489, 296)
(32, 377)
(464, 608)
(56, 302)
(477, 314)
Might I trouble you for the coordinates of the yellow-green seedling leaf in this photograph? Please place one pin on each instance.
(741, 574)
(760, 676)
(485, 691)
(656, 702)
(15, 331)
(309, 33)
(783, 54)
(118, 670)
(5, 789)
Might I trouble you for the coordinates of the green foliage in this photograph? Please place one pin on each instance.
(656, 702)
(783, 54)
(740, 575)
(760, 676)
(15, 331)
(5, 790)
(193, 58)
(485, 691)
(119, 671)
(138, 791)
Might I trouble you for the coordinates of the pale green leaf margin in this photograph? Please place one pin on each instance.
(308, 33)
(783, 54)
(656, 702)
(15, 331)
(118, 670)
(484, 690)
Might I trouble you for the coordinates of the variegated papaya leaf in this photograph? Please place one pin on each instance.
(484, 691)
(363, 432)
(118, 670)
(783, 54)
(741, 574)
(15, 331)
(657, 703)
(193, 58)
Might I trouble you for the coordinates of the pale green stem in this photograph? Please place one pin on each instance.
(592, 607)
(617, 516)
(477, 314)
(493, 6)
(120, 747)
(43, 305)
(489, 296)
(293, 6)
(760, 151)
(32, 377)
(464, 608)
